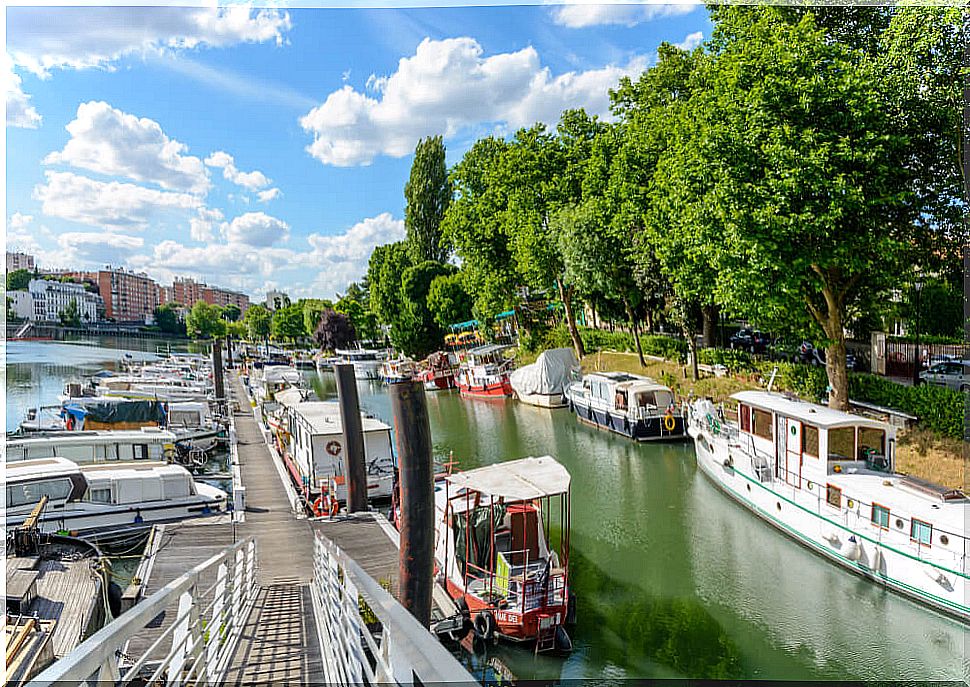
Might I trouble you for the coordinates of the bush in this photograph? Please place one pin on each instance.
(808, 381)
(938, 408)
(734, 360)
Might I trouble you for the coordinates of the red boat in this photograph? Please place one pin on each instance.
(485, 373)
(438, 371)
(494, 553)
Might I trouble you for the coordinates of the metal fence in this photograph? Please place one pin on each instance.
(901, 356)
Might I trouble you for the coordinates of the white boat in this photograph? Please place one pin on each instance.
(825, 478)
(399, 370)
(310, 437)
(484, 373)
(264, 383)
(108, 496)
(147, 443)
(366, 361)
(628, 404)
(544, 382)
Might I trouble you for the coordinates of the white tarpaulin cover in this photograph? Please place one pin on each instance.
(516, 480)
(551, 373)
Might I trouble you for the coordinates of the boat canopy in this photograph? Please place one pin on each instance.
(549, 374)
(811, 413)
(488, 349)
(110, 412)
(518, 480)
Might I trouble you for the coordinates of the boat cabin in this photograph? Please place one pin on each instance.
(484, 356)
(148, 443)
(28, 480)
(352, 355)
(634, 394)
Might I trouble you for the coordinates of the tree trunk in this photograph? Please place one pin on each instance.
(636, 331)
(831, 322)
(710, 314)
(692, 347)
(648, 320)
(838, 376)
(565, 293)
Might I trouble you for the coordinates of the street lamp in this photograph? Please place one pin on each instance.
(918, 286)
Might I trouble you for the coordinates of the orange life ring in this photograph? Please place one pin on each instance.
(333, 447)
(315, 506)
(334, 508)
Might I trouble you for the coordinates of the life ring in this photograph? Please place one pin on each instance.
(333, 447)
(334, 508)
(317, 506)
(669, 422)
(485, 625)
(69, 423)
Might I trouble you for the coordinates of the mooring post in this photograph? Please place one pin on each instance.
(354, 467)
(229, 351)
(416, 480)
(217, 373)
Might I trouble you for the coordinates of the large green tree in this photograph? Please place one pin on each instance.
(205, 321)
(167, 319)
(414, 330)
(18, 280)
(288, 323)
(258, 320)
(385, 272)
(449, 300)
(427, 195)
(313, 309)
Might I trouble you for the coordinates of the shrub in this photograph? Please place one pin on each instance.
(734, 360)
(938, 408)
(808, 381)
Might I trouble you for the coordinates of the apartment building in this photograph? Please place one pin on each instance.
(19, 261)
(48, 299)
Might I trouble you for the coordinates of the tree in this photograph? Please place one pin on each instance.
(427, 195)
(205, 321)
(288, 323)
(313, 309)
(71, 315)
(231, 313)
(385, 272)
(334, 331)
(258, 320)
(18, 280)
(167, 319)
(448, 300)
(354, 305)
(414, 330)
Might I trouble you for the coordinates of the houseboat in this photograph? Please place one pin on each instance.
(484, 373)
(544, 382)
(399, 370)
(628, 404)
(826, 478)
(438, 371)
(502, 549)
(366, 361)
(310, 437)
(88, 447)
(89, 498)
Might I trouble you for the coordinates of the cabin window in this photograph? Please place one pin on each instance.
(745, 413)
(30, 493)
(842, 443)
(833, 496)
(141, 452)
(921, 532)
(810, 440)
(100, 495)
(761, 424)
(871, 440)
(880, 516)
(620, 401)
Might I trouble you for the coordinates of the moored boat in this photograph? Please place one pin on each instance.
(484, 373)
(398, 370)
(628, 404)
(826, 478)
(438, 371)
(366, 361)
(544, 382)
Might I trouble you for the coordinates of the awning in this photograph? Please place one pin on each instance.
(517, 480)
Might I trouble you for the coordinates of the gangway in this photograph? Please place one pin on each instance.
(22, 332)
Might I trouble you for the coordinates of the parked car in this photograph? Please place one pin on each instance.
(953, 374)
(816, 356)
(749, 340)
(787, 350)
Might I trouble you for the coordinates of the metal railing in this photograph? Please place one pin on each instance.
(195, 648)
(392, 649)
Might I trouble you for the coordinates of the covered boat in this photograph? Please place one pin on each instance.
(494, 553)
(544, 382)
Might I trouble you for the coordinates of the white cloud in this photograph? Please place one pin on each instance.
(112, 205)
(577, 15)
(201, 226)
(448, 86)
(19, 221)
(268, 195)
(256, 229)
(251, 180)
(691, 41)
(358, 242)
(96, 248)
(20, 112)
(41, 39)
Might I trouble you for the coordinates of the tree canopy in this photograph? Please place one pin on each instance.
(427, 195)
(205, 321)
(258, 321)
(18, 280)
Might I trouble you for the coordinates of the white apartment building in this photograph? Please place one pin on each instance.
(276, 300)
(51, 298)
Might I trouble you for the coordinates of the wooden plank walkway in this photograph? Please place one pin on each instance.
(362, 538)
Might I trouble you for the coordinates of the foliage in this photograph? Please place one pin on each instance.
(237, 329)
(807, 381)
(414, 329)
(205, 321)
(167, 319)
(334, 330)
(288, 323)
(734, 360)
(362, 319)
(313, 309)
(18, 280)
(231, 312)
(385, 271)
(71, 315)
(427, 195)
(940, 310)
(258, 321)
(448, 300)
(938, 408)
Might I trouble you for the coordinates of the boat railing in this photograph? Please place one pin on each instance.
(193, 648)
(395, 650)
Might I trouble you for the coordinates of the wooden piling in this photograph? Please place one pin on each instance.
(354, 467)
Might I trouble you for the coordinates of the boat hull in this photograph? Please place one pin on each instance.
(440, 383)
(84, 518)
(500, 389)
(543, 400)
(657, 428)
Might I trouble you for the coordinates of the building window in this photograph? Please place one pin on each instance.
(761, 424)
(880, 516)
(833, 496)
(810, 440)
(921, 532)
(744, 412)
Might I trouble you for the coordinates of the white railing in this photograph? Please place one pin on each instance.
(395, 649)
(195, 648)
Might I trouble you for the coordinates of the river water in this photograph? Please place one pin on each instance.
(672, 578)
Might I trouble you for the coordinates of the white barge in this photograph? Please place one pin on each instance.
(825, 478)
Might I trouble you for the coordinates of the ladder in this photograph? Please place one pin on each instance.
(546, 638)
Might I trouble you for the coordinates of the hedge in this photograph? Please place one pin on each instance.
(734, 360)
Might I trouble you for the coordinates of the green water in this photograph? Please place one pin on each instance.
(672, 578)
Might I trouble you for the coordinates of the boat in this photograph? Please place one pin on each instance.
(544, 382)
(366, 361)
(437, 371)
(628, 404)
(494, 552)
(95, 446)
(826, 479)
(265, 381)
(399, 370)
(89, 498)
(309, 436)
(484, 373)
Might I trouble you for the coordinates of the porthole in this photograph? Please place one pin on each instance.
(810, 486)
(944, 539)
(778, 505)
(899, 523)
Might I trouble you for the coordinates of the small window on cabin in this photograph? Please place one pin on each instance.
(871, 441)
(880, 516)
(745, 413)
(100, 495)
(646, 399)
(842, 443)
(921, 532)
(833, 496)
(810, 440)
(761, 423)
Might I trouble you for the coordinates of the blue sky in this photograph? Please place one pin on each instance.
(258, 148)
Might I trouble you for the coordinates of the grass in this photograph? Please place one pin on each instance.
(928, 455)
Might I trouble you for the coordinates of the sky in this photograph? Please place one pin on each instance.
(259, 148)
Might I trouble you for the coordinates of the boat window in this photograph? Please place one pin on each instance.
(871, 440)
(663, 399)
(141, 452)
(810, 440)
(745, 413)
(100, 495)
(833, 496)
(30, 493)
(647, 399)
(842, 443)
(761, 424)
(620, 401)
(880, 516)
(921, 532)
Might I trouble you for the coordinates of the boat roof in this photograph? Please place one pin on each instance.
(517, 480)
(812, 413)
(39, 467)
(627, 381)
(137, 468)
(487, 349)
(92, 436)
(324, 416)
